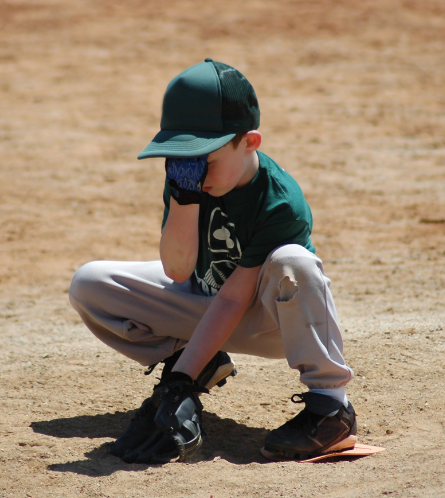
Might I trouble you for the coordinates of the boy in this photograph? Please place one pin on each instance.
(238, 273)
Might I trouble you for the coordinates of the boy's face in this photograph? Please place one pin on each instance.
(230, 168)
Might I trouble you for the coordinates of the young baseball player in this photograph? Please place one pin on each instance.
(238, 274)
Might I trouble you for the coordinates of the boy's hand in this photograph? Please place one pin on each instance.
(186, 177)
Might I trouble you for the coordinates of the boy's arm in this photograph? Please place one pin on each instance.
(179, 241)
(219, 321)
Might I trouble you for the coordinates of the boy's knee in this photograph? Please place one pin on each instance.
(294, 266)
(86, 279)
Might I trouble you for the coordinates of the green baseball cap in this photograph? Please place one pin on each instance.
(204, 107)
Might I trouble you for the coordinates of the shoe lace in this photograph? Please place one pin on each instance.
(305, 418)
(151, 368)
(301, 396)
(168, 362)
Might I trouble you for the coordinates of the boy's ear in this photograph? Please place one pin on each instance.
(253, 141)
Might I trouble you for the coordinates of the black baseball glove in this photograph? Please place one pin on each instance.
(178, 421)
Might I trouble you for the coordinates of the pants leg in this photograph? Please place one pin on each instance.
(294, 291)
(135, 309)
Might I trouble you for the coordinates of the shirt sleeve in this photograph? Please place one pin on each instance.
(269, 238)
(281, 224)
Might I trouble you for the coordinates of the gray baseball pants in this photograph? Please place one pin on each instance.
(134, 308)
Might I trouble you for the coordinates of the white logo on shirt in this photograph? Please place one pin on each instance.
(224, 234)
(221, 238)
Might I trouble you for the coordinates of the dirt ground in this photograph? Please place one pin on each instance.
(353, 106)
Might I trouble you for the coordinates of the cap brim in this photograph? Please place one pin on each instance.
(185, 144)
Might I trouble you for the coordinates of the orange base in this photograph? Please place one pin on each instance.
(358, 451)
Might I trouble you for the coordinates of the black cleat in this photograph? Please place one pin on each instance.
(216, 372)
(323, 426)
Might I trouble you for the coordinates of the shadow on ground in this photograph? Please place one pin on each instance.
(88, 426)
(227, 439)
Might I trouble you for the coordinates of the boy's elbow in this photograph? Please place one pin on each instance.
(178, 278)
(176, 275)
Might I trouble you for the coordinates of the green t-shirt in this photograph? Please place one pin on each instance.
(243, 226)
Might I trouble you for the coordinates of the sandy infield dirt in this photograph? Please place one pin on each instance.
(353, 106)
